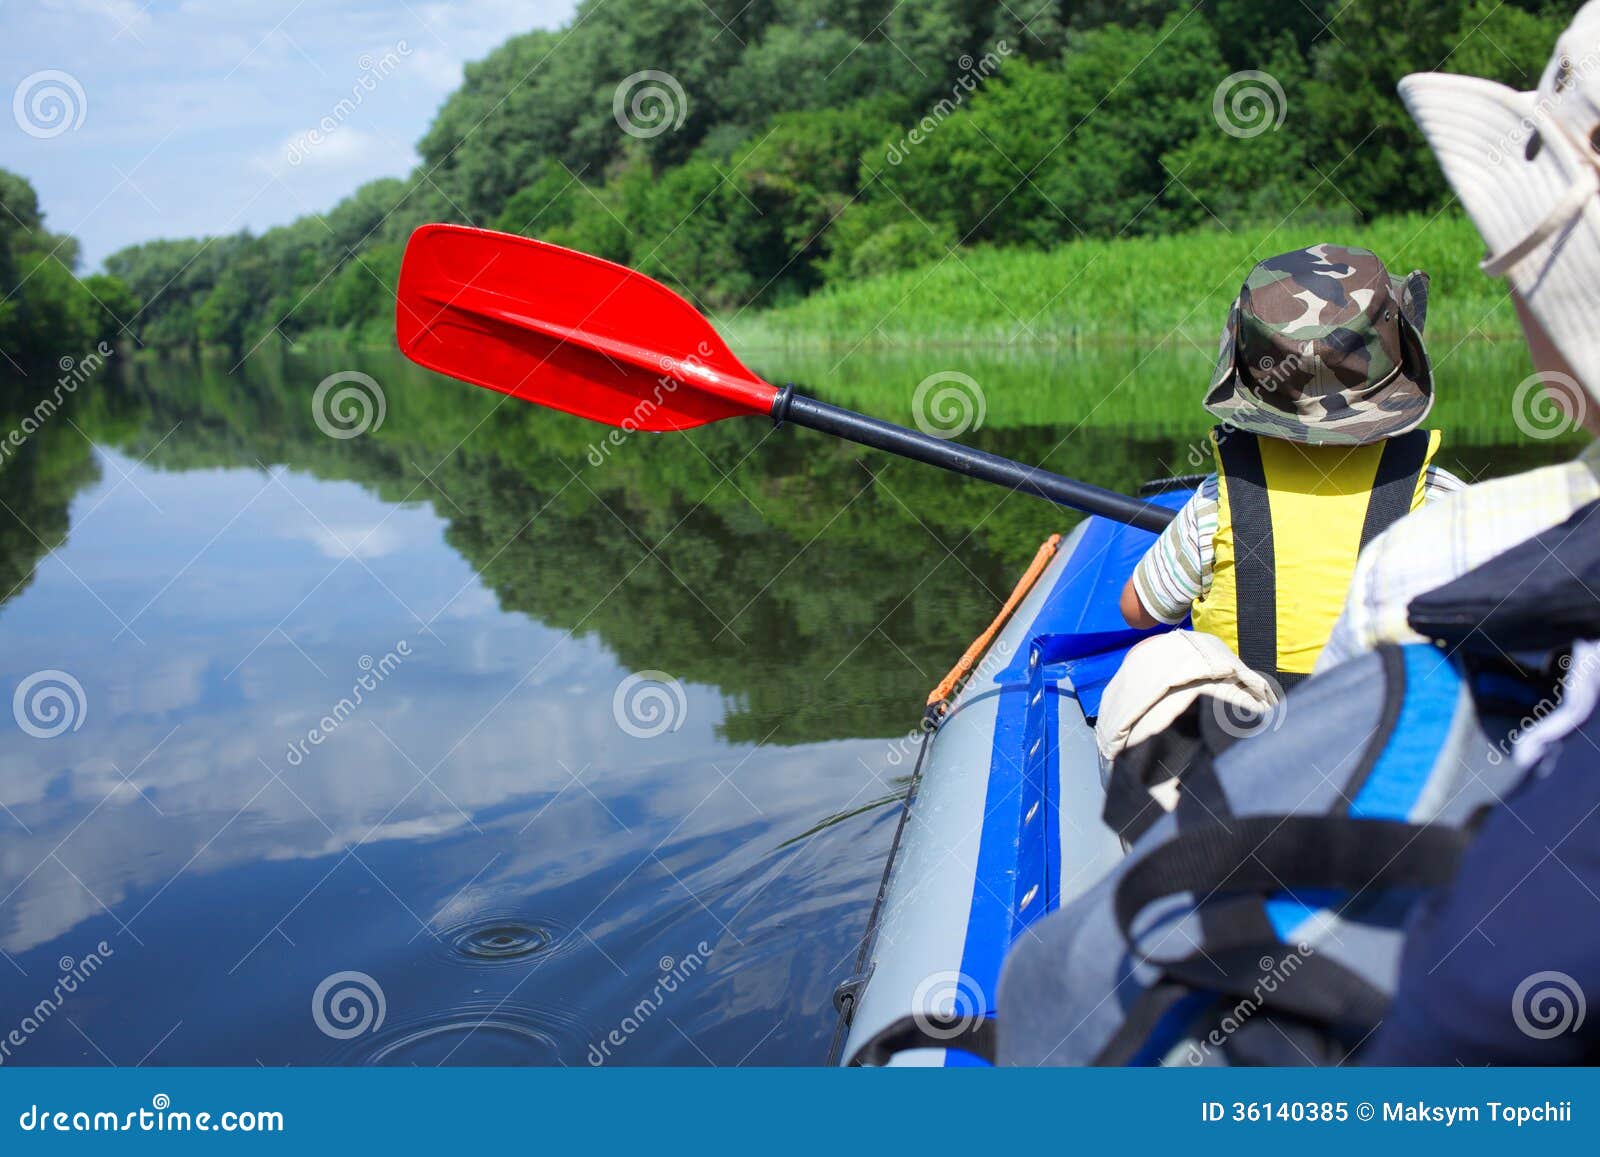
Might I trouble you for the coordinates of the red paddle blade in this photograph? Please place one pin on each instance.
(565, 330)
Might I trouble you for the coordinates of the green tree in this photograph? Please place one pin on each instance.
(777, 145)
(46, 312)
(1379, 156)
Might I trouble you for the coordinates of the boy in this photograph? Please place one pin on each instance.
(1321, 386)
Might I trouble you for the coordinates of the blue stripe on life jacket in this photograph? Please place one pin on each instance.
(1171, 1029)
(1432, 690)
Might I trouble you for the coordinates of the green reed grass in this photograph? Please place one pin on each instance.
(1124, 390)
(1148, 291)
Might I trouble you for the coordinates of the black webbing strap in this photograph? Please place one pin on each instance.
(927, 1031)
(1394, 487)
(1130, 810)
(1283, 1042)
(1393, 664)
(1270, 854)
(1315, 987)
(1203, 799)
(1275, 853)
(1154, 1005)
(1254, 561)
(1310, 988)
(1185, 751)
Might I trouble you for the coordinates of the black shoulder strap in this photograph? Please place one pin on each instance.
(1162, 999)
(1404, 459)
(1185, 752)
(1130, 810)
(1254, 560)
(1263, 854)
(1279, 1041)
(1282, 853)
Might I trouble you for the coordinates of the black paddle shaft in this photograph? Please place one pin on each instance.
(802, 411)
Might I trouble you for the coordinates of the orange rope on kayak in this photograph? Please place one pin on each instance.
(940, 694)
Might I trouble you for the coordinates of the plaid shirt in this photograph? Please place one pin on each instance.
(1176, 572)
(1431, 547)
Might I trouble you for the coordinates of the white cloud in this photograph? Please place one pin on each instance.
(353, 540)
(197, 104)
(125, 15)
(345, 151)
(440, 71)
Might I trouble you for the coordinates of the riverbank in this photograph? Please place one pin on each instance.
(1140, 292)
(1145, 291)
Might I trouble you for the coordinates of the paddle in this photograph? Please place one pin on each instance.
(572, 332)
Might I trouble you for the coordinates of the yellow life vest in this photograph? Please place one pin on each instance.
(1291, 521)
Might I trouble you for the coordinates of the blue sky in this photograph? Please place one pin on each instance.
(193, 114)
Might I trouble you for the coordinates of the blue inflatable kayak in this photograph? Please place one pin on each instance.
(1003, 823)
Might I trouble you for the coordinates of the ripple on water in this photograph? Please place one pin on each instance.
(476, 1033)
(500, 939)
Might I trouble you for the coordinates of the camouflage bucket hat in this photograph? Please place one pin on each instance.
(1323, 346)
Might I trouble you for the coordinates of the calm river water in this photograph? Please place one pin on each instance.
(475, 739)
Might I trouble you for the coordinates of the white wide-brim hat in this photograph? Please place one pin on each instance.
(1526, 166)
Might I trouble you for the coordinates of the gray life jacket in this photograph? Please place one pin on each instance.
(1262, 921)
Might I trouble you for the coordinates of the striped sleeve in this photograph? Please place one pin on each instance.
(1440, 483)
(1173, 574)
